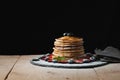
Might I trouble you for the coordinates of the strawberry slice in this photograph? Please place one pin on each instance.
(79, 61)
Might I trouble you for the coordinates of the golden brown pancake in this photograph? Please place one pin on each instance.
(68, 46)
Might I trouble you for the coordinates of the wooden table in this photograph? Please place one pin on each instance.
(18, 67)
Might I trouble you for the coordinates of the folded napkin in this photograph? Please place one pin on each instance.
(109, 54)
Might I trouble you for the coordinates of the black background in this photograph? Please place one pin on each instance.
(31, 27)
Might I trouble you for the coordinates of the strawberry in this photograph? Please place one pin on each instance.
(79, 61)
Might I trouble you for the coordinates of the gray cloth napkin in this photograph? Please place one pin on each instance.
(109, 54)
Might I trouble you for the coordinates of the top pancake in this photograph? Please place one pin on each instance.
(69, 39)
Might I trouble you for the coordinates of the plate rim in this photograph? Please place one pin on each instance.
(63, 65)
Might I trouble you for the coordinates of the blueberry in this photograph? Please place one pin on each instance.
(67, 34)
(54, 61)
(92, 58)
(64, 34)
(70, 61)
(86, 60)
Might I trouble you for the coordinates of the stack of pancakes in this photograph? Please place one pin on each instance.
(68, 47)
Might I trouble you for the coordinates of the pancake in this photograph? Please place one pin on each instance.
(68, 47)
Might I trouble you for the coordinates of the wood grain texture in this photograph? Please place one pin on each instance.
(20, 68)
(6, 65)
(109, 72)
(24, 70)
